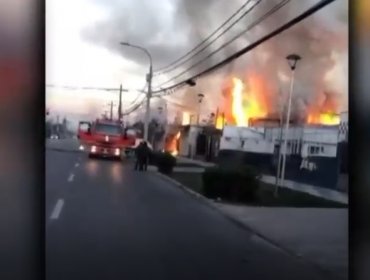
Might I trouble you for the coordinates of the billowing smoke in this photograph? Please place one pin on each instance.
(320, 40)
(171, 28)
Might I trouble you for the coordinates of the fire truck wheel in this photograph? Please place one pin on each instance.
(91, 156)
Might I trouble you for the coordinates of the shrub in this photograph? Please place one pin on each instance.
(153, 157)
(165, 162)
(234, 184)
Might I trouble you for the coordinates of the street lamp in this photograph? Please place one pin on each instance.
(149, 80)
(292, 61)
(200, 99)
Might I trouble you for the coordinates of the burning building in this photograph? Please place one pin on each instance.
(253, 103)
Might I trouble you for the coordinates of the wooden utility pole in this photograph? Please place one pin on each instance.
(120, 104)
(111, 110)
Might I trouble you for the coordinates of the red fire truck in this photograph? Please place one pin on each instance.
(104, 138)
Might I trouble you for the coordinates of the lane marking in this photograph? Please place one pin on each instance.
(77, 164)
(57, 209)
(71, 177)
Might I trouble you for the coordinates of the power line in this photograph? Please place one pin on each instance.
(85, 88)
(91, 88)
(163, 69)
(137, 97)
(255, 23)
(135, 107)
(315, 8)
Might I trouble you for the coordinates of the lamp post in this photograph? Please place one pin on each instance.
(149, 80)
(292, 60)
(200, 99)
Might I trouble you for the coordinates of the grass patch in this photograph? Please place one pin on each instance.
(265, 194)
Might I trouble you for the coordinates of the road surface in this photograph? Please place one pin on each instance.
(106, 221)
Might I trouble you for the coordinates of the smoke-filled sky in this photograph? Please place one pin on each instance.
(83, 50)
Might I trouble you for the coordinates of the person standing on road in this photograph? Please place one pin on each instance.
(138, 154)
(145, 155)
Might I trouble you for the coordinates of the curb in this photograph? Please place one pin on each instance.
(236, 221)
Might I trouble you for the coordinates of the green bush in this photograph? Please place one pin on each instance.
(165, 162)
(234, 184)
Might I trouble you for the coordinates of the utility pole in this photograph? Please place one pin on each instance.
(111, 111)
(148, 96)
(120, 104)
(58, 124)
(149, 80)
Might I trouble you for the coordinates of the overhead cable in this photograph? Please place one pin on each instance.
(252, 25)
(169, 67)
(315, 8)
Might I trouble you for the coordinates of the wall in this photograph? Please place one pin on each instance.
(317, 171)
(319, 168)
(248, 139)
(247, 145)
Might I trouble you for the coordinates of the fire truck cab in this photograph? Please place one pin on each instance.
(104, 138)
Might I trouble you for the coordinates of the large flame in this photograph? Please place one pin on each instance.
(237, 103)
(324, 119)
(220, 122)
(255, 100)
(175, 140)
(250, 102)
(324, 110)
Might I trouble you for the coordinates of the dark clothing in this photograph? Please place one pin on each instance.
(142, 157)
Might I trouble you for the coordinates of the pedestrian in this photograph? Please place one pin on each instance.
(138, 154)
(145, 155)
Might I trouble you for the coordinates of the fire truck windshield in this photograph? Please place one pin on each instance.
(108, 129)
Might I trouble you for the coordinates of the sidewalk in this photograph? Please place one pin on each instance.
(181, 159)
(319, 236)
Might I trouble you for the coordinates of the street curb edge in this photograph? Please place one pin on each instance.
(240, 224)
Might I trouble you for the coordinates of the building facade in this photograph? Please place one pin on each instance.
(312, 152)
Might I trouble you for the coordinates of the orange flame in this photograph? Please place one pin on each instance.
(324, 119)
(175, 152)
(220, 122)
(248, 103)
(254, 100)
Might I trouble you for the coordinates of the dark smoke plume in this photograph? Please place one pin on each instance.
(170, 28)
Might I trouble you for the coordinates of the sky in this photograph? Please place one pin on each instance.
(82, 48)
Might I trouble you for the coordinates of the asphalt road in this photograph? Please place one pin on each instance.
(106, 221)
